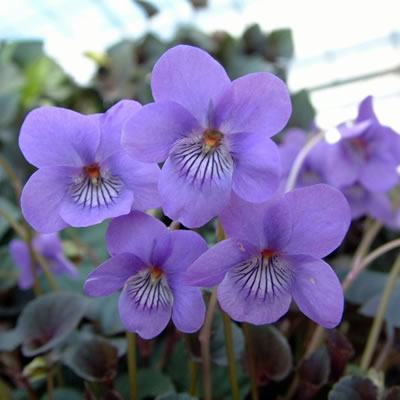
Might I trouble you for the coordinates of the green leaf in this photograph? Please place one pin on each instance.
(354, 388)
(151, 383)
(64, 394)
(149, 8)
(105, 310)
(47, 320)
(280, 44)
(10, 340)
(28, 51)
(176, 396)
(94, 237)
(303, 112)
(93, 359)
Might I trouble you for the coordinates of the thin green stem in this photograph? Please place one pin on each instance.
(250, 360)
(379, 317)
(36, 285)
(356, 266)
(13, 223)
(194, 377)
(50, 385)
(204, 338)
(231, 356)
(299, 160)
(131, 338)
(16, 183)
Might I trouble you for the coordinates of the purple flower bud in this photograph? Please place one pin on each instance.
(49, 246)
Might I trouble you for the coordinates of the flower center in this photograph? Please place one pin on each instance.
(156, 274)
(95, 187)
(267, 254)
(149, 290)
(93, 172)
(211, 139)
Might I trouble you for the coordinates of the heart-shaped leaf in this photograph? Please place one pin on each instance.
(93, 359)
(354, 388)
(47, 320)
(273, 357)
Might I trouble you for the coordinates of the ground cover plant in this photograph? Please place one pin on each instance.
(181, 229)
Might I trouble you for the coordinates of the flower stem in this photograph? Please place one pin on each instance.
(194, 377)
(379, 317)
(50, 385)
(299, 160)
(131, 338)
(13, 223)
(250, 361)
(16, 183)
(362, 249)
(204, 338)
(231, 356)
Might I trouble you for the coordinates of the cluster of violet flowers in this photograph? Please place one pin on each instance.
(362, 162)
(213, 136)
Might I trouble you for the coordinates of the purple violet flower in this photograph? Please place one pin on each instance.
(49, 246)
(363, 202)
(274, 253)
(84, 175)
(368, 152)
(149, 261)
(213, 134)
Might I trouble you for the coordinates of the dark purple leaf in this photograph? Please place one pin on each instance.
(313, 374)
(47, 320)
(340, 350)
(93, 359)
(354, 388)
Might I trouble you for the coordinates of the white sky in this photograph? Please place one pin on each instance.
(333, 39)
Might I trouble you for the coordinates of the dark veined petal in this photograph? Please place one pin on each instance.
(210, 268)
(195, 184)
(257, 290)
(92, 200)
(150, 133)
(139, 177)
(145, 305)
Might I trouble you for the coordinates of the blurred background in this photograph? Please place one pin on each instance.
(338, 51)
